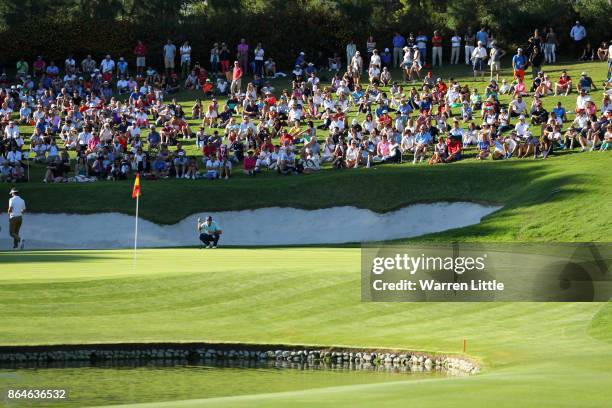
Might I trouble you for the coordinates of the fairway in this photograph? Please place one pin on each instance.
(553, 352)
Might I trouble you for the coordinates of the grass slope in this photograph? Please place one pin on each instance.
(534, 354)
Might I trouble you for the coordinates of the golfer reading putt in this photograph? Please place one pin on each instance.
(16, 209)
(209, 232)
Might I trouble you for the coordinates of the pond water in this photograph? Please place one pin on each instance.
(135, 382)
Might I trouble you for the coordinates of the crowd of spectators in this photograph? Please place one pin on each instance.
(104, 120)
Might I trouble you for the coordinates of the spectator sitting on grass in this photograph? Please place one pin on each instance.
(564, 84)
(585, 83)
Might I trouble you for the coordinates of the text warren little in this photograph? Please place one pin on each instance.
(435, 286)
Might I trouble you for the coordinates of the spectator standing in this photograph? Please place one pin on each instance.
(22, 68)
(237, 73)
(469, 39)
(243, 55)
(259, 60)
(519, 63)
(88, 65)
(107, 67)
(398, 44)
(455, 48)
(483, 36)
(215, 55)
(550, 46)
(421, 43)
(370, 45)
(578, 34)
(536, 59)
(351, 49)
(479, 55)
(436, 49)
(495, 55)
(224, 59)
(140, 51)
(185, 51)
(169, 52)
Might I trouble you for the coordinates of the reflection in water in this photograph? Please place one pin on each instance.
(136, 381)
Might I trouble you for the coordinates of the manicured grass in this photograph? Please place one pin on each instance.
(533, 354)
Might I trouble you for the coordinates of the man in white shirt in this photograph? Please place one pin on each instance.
(455, 48)
(578, 35)
(522, 127)
(517, 107)
(107, 65)
(16, 208)
(478, 59)
(11, 131)
(581, 101)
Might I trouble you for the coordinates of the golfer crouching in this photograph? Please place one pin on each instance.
(209, 232)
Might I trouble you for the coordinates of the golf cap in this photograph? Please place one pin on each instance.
(302, 53)
(519, 49)
(522, 117)
(13, 191)
(583, 74)
(386, 50)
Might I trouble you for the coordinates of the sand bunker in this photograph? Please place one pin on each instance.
(264, 226)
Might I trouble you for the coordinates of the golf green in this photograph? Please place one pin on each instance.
(532, 354)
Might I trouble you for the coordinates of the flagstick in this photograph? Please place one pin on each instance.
(136, 229)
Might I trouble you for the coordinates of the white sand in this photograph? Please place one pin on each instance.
(265, 226)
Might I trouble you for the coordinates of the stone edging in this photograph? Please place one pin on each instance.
(194, 352)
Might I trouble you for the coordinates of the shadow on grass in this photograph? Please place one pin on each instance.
(21, 257)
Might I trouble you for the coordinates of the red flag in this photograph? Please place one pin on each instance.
(136, 189)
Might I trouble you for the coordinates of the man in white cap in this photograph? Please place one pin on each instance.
(479, 55)
(16, 208)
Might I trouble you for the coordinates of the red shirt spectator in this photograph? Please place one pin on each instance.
(436, 41)
(453, 145)
(249, 162)
(209, 150)
(286, 137)
(140, 50)
(236, 73)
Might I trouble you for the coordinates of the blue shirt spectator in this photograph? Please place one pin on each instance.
(482, 36)
(519, 61)
(399, 41)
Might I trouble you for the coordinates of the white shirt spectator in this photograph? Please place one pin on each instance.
(185, 53)
(581, 101)
(11, 131)
(521, 128)
(480, 53)
(107, 65)
(455, 41)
